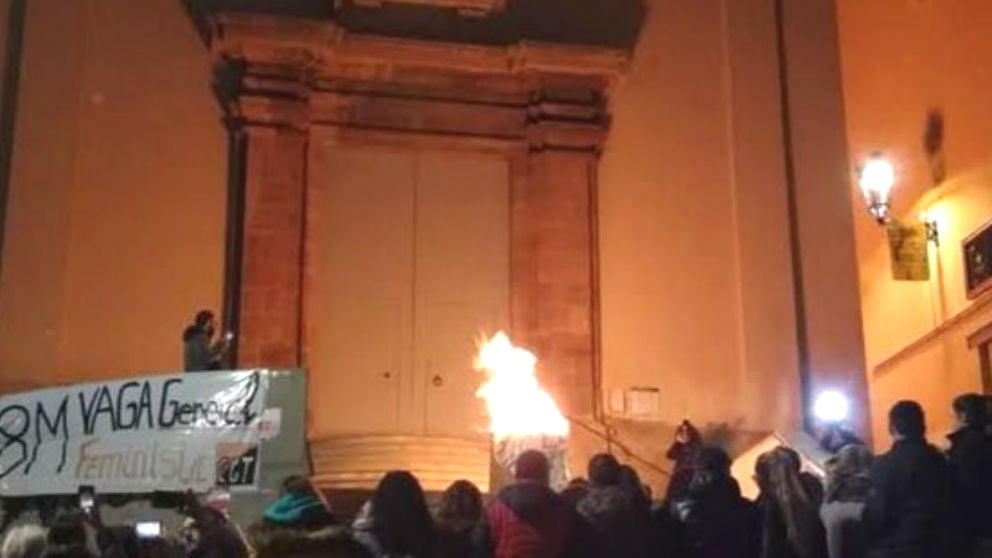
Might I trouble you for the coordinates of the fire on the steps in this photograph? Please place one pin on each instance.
(522, 415)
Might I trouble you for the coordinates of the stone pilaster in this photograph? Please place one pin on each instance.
(554, 280)
(269, 325)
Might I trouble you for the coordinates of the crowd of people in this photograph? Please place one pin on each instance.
(912, 502)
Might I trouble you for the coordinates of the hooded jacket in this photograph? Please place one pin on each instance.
(198, 354)
(912, 510)
(528, 520)
(971, 461)
(619, 522)
(302, 511)
(719, 522)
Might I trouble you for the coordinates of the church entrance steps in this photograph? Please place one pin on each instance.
(357, 462)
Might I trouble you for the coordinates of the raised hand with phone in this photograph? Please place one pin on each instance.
(201, 351)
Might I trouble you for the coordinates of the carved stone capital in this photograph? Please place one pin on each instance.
(567, 125)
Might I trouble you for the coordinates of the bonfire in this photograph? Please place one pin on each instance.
(522, 415)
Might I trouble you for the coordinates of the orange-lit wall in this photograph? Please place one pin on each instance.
(901, 59)
(698, 293)
(4, 16)
(115, 223)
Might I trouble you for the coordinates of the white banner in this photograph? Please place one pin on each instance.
(190, 431)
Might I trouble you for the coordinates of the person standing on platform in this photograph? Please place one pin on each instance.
(200, 352)
(683, 451)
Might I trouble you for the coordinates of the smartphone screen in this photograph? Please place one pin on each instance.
(86, 498)
(148, 529)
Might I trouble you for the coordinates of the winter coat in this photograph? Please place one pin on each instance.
(719, 522)
(684, 456)
(619, 520)
(198, 354)
(220, 540)
(528, 520)
(971, 461)
(912, 510)
(374, 546)
(809, 541)
(303, 511)
(454, 538)
(841, 515)
(364, 532)
(775, 542)
(279, 542)
(845, 532)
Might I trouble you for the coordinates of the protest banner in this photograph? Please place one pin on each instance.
(192, 431)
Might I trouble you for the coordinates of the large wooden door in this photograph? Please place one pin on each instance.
(412, 268)
(462, 282)
(360, 353)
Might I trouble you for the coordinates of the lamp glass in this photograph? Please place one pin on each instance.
(877, 178)
(831, 406)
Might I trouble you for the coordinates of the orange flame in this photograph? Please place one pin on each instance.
(517, 405)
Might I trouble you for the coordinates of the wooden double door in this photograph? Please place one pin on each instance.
(411, 254)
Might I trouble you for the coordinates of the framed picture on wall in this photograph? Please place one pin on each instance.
(977, 248)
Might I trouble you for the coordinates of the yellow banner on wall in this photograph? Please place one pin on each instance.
(908, 251)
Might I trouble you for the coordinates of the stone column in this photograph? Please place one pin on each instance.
(828, 295)
(554, 281)
(269, 317)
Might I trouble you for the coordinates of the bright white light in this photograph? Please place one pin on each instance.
(831, 406)
(877, 178)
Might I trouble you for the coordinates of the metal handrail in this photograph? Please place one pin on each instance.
(611, 442)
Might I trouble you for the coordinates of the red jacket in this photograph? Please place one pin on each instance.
(528, 520)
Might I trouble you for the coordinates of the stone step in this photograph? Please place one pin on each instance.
(330, 452)
(429, 481)
(358, 462)
(339, 443)
(468, 468)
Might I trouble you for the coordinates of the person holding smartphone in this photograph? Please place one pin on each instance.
(215, 535)
(200, 352)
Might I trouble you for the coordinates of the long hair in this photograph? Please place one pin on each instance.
(632, 486)
(848, 474)
(401, 522)
(461, 502)
(779, 477)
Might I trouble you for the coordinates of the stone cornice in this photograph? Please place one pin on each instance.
(538, 126)
(465, 7)
(322, 46)
(291, 73)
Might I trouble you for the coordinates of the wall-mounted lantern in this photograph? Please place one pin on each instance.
(876, 178)
(931, 224)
